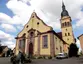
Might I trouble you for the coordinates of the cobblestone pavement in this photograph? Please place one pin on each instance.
(74, 60)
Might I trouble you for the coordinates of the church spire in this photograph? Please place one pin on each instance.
(63, 6)
(64, 11)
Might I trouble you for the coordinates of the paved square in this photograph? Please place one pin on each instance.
(6, 60)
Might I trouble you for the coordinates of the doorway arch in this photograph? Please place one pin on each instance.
(30, 49)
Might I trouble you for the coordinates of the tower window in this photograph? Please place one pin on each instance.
(68, 34)
(65, 34)
(65, 24)
(66, 29)
(62, 25)
(68, 23)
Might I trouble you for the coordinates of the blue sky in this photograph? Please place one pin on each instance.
(4, 9)
(14, 14)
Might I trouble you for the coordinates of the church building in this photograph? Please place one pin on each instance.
(39, 39)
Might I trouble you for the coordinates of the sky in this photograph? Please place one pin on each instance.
(14, 14)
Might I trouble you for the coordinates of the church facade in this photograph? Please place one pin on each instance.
(39, 39)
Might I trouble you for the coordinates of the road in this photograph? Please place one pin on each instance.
(48, 61)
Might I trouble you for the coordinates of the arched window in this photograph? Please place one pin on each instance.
(22, 43)
(65, 34)
(31, 34)
(65, 24)
(68, 34)
(68, 23)
(45, 41)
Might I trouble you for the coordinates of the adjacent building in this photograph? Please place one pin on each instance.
(81, 41)
(39, 39)
(3, 51)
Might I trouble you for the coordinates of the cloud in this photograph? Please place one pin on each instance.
(10, 44)
(15, 20)
(21, 10)
(50, 12)
(19, 27)
(8, 20)
(5, 18)
(4, 36)
(54, 8)
(44, 10)
(55, 25)
(8, 27)
(7, 39)
(26, 1)
(80, 22)
(17, 6)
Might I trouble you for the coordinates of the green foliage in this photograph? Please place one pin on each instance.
(73, 50)
(1, 49)
(50, 57)
(81, 53)
(40, 57)
(44, 57)
(33, 57)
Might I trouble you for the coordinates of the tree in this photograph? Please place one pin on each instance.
(73, 50)
(1, 49)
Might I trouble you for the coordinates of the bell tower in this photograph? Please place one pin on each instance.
(66, 26)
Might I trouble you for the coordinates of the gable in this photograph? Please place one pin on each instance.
(80, 36)
(35, 23)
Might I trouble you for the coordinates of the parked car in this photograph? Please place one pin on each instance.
(62, 56)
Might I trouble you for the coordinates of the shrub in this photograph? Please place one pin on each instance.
(33, 57)
(50, 57)
(39, 57)
(73, 50)
(44, 57)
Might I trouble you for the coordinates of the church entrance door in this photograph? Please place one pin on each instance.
(30, 49)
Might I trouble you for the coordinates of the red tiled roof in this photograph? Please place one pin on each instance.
(3, 47)
(80, 36)
(60, 34)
